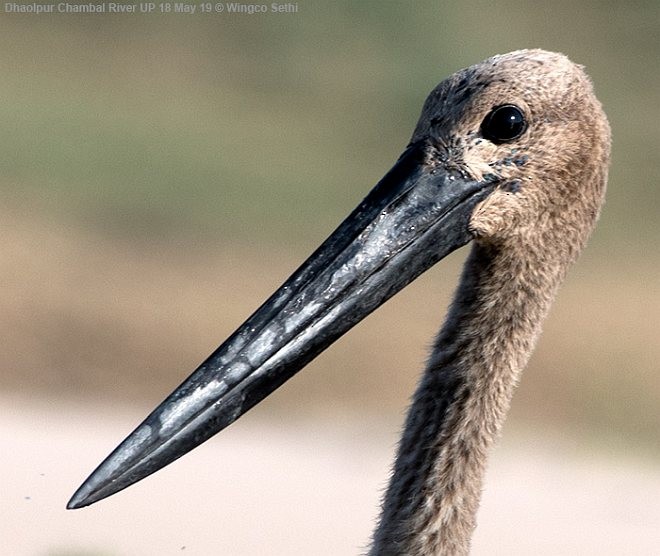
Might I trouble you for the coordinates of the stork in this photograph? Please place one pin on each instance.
(511, 154)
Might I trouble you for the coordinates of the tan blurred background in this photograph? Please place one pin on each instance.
(162, 174)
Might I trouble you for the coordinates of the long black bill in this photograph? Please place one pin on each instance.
(417, 214)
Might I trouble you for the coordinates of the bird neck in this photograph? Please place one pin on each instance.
(462, 400)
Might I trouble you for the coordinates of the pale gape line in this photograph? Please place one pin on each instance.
(511, 153)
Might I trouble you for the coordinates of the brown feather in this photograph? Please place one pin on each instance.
(527, 234)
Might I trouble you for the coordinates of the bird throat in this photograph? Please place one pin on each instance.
(461, 402)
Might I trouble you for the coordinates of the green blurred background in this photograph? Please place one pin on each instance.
(162, 174)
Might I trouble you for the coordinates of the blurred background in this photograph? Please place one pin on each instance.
(162, 174)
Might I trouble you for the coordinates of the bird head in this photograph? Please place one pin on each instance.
(528, 120)
(510, 151)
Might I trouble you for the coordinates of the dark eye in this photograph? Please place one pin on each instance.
(504, 123)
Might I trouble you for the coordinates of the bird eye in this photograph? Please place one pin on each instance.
(504, 123)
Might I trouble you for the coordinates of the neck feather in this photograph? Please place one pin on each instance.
(462, 401)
